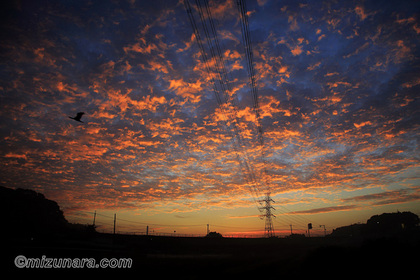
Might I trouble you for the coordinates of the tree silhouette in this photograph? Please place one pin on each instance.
(29, 213)
(391, 223)
(214, 234)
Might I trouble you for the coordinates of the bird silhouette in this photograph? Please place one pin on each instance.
(78, 117)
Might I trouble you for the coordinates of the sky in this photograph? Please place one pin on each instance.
(337, 84)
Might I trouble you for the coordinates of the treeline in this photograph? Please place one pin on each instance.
(27, 213)
(384, 225)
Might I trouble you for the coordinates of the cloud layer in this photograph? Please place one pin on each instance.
(338, 86)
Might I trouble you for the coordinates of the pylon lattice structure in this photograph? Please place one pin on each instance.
(269, 228)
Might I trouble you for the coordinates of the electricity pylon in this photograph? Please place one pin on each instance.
(269, 228)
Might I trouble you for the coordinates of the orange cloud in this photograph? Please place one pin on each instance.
(412, 83)
(325, 210)
(297, 50)
(314, 66)
(362, 124)
(141, 47)
(189, 91)
(359, 10)
(293, 23)
(14, 155)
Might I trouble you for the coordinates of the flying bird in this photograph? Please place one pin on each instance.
(78, 117)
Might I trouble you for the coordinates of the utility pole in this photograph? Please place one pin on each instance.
(94, 218)
(309, 229)
(115, 218)
(269, 228)
(325, 230)
(208, 229)
(291, 230)
(147, 230)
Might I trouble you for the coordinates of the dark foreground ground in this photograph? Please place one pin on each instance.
(35, 227)
(222, 258)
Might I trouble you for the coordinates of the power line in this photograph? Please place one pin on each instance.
(222, 82)
(246, 36)
(143, 223)
(105, 216)
(125, 223)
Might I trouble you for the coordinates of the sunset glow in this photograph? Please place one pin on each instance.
(338, 85)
